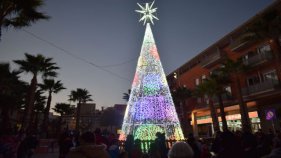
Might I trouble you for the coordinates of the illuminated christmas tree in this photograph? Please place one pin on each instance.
(150, 108)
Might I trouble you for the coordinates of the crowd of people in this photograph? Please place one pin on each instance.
(20, 145)
(101, 144)
(224, 145)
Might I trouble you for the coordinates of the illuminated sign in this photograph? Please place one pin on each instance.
(270, 114)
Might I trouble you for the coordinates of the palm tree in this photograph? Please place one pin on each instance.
(218, 81)
(235, 68)
(80, 96)
(18, 13)
(35, 65)
(12, 94)
(126, 96)
(180, 95)
(39, 107)
(51, 86)
(206, 89)
(63, 109)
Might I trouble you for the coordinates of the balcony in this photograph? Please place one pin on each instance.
(265, 86)
(210, 59)
(258, 58)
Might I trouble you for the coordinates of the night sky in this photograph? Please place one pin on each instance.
(83, 34)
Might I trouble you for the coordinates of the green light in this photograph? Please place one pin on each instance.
(147, 132)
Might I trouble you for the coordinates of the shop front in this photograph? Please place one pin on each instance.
(205, 127)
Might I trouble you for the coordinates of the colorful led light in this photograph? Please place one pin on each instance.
(150, 108)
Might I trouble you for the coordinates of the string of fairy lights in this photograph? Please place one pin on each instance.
(150, 108)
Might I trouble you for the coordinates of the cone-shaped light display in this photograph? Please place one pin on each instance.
(150, 108)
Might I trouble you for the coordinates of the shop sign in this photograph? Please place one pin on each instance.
(233, 117)
(270, 114)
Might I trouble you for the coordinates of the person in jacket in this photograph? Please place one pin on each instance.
(276, 151)
(27, 146)
(136, 151)
(114, 149)
(88, 148)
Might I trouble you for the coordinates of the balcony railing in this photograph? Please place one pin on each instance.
(258, 58)
(210, 59)
(261, 87)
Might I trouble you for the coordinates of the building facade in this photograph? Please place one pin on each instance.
(260, 83)
(87, 118)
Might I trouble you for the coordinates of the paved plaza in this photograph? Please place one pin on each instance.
(46, 155)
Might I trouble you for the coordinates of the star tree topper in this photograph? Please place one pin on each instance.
(147, 12)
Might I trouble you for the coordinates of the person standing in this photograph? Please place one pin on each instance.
(88, 148)
(27, 146)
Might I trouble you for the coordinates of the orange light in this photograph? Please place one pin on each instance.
(253, 114)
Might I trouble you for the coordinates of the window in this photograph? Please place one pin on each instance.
(264, 49)
(203, 77)
(197, 82)
(270, 76)
(228, 90)
(250, 54)
(253, 80)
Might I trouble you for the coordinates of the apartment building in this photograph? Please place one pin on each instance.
(88, 118)
(260, 83)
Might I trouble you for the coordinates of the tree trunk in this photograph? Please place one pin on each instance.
(222, 113)
(246, 124)
(58, 130)
(46, 115)
(36, 122)
(214, 115)
(6, 126)
(30, 104)
(276, 56)
(185, 122)
(78, 116)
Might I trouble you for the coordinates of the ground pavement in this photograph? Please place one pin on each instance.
(47, 148)
(49, 153)
(46, 155)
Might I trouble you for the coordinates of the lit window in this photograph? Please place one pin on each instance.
(228, 90)
(203, 77)
(270, 76)
(197, 82)
(264, 49)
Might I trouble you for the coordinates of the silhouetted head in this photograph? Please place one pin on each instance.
(123, 154)
(158, 134)
(98, 131)
(248, 140)
(138, 142)
(130, 138)
(88, 137)
(180, 150)
(114, 141)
